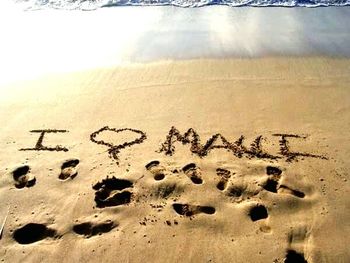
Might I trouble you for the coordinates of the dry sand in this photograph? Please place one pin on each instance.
(113, 181)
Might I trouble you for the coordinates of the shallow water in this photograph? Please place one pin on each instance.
(55, 40)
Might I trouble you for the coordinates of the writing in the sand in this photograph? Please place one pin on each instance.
(238, 148)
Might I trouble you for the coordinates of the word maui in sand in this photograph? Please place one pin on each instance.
(218, 141)
(192, 138)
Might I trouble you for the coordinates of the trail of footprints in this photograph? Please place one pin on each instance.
(113, 191)
(34, 232)
(23, 177)
(239, 192)
(109, 192)
(272, 183)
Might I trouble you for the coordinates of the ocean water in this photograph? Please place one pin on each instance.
(95, 4)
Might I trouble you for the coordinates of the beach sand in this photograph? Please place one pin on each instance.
(147, 163)
(162, 134)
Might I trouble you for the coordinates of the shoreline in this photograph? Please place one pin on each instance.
(300, 67)
(76, 40)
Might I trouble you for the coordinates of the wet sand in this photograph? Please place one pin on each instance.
(36, 43)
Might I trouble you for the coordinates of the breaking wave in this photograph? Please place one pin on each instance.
(95, 4)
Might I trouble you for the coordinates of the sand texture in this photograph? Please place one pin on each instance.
(241, 160)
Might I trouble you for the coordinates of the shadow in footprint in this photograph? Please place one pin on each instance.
(224, 177)
(33, 232)
(272, 184)
(273, 187)
(294, 257)
(115, 200)
(191, 210)
(157, 170)
(236, 191)
(192, 172)
(272, 170)
(159, 177)
(286, 190)
(89, 229)
(109, 192)
(152, 164)
(22, 177)
(69, 169)
(258, 212)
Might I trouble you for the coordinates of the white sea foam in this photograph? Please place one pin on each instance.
(95, 4)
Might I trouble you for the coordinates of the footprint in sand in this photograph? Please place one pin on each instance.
(224, 177)
(32, 233)
(89, 229)
(156, 169)
(239, 191)
(193, 172)
(22, 177)
(111, 192)
(69, 169)
(272, 184)
(191, 210)
(296, 245)
(294, 257)
(258, 212)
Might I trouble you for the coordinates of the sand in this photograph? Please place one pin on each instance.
(161, 134)
(147, 163)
